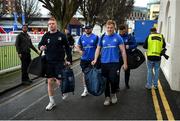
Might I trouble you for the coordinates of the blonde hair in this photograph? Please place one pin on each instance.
(109, 22)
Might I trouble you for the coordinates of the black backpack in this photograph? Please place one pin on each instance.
(135, 59)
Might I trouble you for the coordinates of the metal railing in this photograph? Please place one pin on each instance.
(9, 57)
(12, 37)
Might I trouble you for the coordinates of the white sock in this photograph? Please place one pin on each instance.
(85, 89)
(51, 98)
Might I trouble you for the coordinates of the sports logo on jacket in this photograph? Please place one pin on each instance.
(48, 40)
(103, 41)
(115, 40)
(60, 38)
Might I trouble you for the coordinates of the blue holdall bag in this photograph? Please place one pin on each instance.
(68, 81)
(94, 80)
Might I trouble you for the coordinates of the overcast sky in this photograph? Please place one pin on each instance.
(141, 3)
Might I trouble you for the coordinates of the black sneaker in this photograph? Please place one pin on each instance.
(118, 89)
(27, 82)
(155, 87)
(127, 86)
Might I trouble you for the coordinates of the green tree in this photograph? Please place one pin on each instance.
(62, 10)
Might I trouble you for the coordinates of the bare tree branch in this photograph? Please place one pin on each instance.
(90, 10)
(30, 9)
(116, 10)
(1, 8)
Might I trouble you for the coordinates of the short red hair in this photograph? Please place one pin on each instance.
(52, 19)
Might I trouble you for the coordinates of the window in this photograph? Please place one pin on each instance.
(169, 30)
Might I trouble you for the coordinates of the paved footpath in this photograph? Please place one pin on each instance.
(136, 103)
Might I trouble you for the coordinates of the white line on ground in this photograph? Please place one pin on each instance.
(23, 110)
(28, 89)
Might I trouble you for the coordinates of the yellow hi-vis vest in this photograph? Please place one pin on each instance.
(155, 43)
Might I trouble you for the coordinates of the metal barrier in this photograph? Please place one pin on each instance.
(12, 37)
(9, 57)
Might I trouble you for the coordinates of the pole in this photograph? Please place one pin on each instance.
(23, 16)
(15, 21)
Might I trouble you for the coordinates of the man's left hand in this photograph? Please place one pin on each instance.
(127, 46)
(67, 63)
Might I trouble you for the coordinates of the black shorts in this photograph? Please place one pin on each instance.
(54, 70)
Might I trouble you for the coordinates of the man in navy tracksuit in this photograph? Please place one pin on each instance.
(55, 45)
(130, 44)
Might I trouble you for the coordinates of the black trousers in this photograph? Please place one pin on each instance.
(127, 75)
(25, 61)
(110, 72)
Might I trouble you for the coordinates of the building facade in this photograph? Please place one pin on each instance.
(138, 13)
(153, 8)
(168, 25)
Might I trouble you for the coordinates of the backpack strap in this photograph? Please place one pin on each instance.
(102, 37)
(96, 40)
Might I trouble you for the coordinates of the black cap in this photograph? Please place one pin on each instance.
(25, 25)
(153, 29)
(88, 26)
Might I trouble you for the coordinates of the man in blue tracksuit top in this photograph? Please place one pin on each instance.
(86, 46)
(130, 44)
(110, 46)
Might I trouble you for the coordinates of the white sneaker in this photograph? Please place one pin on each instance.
(114, 99)
(50, 106)
(85, 93)
(107, 101)
(64, 96)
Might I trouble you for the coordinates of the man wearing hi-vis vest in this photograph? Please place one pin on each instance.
(154, 44)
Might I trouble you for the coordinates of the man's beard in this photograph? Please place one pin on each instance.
(88, 33)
